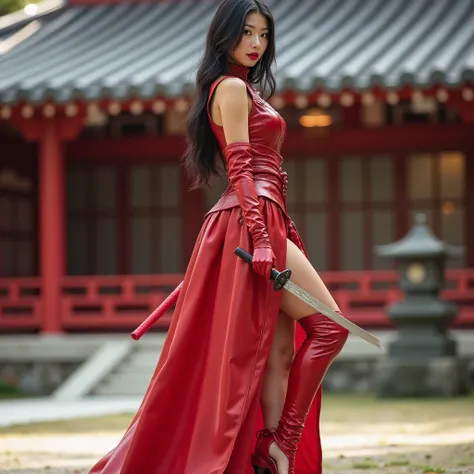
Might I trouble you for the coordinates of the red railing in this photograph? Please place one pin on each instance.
(121, 302)
(20, 303)
(364, 296)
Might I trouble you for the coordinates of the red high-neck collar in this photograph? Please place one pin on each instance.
(237, 70)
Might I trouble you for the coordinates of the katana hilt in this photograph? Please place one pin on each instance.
(279, 278)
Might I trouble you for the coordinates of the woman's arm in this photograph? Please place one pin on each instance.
(232, 102)
(233, 105)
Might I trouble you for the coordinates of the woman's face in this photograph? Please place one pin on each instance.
(254, 41)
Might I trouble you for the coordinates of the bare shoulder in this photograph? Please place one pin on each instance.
(231, 107)
(232, 84)
(232, 89)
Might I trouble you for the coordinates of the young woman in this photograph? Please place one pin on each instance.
(230, 346)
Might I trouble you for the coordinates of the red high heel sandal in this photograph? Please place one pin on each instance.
(262, 463)
(324, 341)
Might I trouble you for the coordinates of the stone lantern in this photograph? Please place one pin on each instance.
(421, 360)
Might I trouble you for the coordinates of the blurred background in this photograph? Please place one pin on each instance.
(97, 223)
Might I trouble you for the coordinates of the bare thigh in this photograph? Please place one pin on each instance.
(304, 275)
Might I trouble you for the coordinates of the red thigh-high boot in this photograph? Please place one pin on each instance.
(323, 343)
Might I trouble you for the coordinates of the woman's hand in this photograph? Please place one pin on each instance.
(263, 261)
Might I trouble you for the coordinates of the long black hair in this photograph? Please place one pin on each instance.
(225, 33)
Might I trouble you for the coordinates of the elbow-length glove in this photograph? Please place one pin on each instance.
(238, 156)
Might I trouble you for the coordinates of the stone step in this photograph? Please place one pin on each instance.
(121, 389)
(352, 371)
(97, 367)
(136, 360)
(128, 377)
(133, 374)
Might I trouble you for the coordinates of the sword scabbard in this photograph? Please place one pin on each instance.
(157, 313)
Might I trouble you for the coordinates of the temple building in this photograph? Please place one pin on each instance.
(96, 219)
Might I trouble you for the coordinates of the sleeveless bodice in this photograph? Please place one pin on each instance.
(267, 131)
(266, 125)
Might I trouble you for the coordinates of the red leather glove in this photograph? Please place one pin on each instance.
(238, 156)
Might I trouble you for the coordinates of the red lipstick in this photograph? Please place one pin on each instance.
(253, 56)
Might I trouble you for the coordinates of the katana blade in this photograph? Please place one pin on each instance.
(310, 300)
(282, 280)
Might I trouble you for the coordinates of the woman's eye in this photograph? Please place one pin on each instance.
(265, 35)
(247, 32)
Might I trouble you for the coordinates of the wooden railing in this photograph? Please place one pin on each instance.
(120, 303)
(365, 296)
(20, 303)
(114, 302)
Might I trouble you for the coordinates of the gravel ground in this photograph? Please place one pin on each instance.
(360, 434)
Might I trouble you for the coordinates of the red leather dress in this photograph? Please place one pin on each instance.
(201, 410)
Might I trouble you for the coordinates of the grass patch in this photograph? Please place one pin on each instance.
(8, 392)
(397, 462)
(365, 465)
(431, 470)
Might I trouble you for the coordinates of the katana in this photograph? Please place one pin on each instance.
(282, 280)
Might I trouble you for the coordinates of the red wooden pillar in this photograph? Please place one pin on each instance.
(50, 134)
(51, 224)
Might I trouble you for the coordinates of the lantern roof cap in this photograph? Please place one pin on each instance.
(419, 242)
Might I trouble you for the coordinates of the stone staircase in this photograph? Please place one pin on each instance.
(355, 365)
(132, 375)
(112, 365)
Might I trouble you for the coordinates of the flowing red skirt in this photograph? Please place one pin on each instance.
(201, 410)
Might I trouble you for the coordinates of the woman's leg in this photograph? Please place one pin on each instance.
(277, 370)
(324, 340)
(305, 276)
